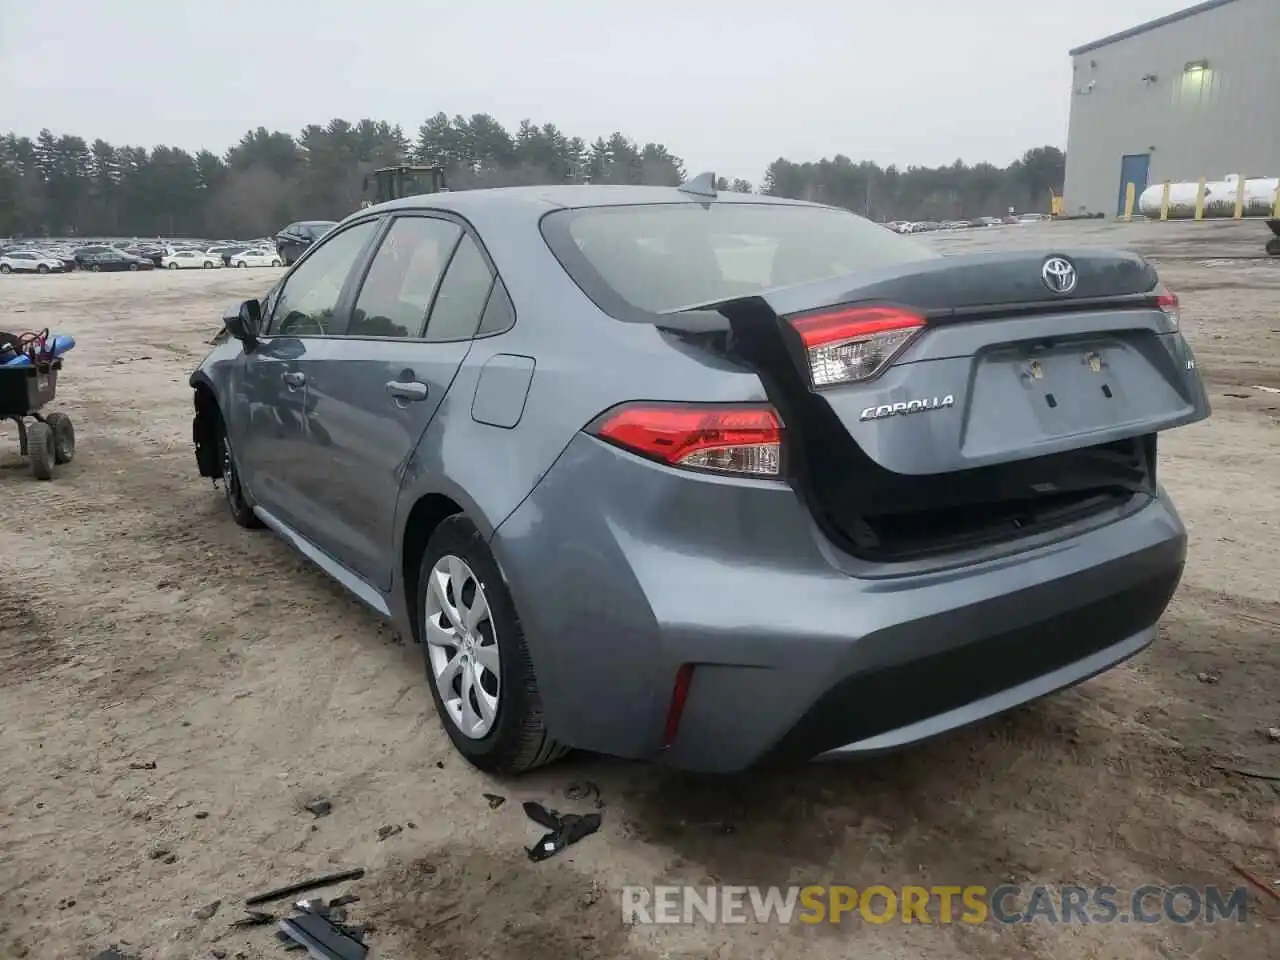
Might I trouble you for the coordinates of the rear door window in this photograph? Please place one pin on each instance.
(463, 294)
(401, 283)
(662, 257)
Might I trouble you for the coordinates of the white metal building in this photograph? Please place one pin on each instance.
(1194, 94)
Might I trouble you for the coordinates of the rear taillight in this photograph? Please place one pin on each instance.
(855, 344)
(1167, 301)
(725, 439)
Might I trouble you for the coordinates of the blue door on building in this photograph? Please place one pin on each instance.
(1134, 168)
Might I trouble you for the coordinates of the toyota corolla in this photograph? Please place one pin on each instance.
(710, 479)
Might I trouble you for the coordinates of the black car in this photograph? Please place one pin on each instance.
(114, 260)
(81, 254)
(147, 252)
(296, 237)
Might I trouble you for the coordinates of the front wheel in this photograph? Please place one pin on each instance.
(96, 268)
(5, 268)
(275, 263)
(173, 266)
(41, 451)
(133, 268)
(478, 666)
(43, 268)
(237, 499)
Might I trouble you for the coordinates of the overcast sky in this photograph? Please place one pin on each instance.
(728, 86)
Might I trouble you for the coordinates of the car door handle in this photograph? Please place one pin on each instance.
(407, 390)
(293, 380)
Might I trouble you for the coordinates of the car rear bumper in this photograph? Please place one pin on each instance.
(623, 571)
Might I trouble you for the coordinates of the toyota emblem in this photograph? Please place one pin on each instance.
(1059, 275)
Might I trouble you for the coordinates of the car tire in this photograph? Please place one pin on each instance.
(64, 437)
(95, 268)
(5, 268)
(42, 268)
(40, 451)
(239, 502)
(173, 266)
(515, 739)
(208, 264)
(133, 268)
(242, 264)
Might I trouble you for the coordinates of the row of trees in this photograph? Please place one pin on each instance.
(65, 185)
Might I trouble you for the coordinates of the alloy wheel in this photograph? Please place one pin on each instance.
(462, 646)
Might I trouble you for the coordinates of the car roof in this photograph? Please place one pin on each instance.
(537, 200)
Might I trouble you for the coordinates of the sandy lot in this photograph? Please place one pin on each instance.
(139, 625)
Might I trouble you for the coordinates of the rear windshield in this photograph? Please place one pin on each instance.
(663, 257)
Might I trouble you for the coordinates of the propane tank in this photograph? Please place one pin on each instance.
(1219, 198)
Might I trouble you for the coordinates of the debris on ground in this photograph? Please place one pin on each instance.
(114, 953)
(584, 790)
(1273, 734)
(322, 929)
(142, 765)
(1208, 676)
(494, 800)
(565, 829)
(390, 830)
(319, 807)
(252, 918)
(202, 814)
(207, 911)
(1252, 774)
(303, 886)
(1256, 880)
(158, 853)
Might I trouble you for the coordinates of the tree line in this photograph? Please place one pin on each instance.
(65, 185)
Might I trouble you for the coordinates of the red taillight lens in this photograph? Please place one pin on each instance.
(675, 706)
(847, 346)
(1167, 301)
(742, 440)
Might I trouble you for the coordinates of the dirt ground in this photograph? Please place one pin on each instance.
(139, 626)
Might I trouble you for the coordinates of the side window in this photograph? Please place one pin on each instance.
(463, 292)
(402, 279)
(499, 313)
(306, 304)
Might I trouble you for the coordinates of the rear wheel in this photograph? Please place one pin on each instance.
(478, 666)
(173, 266)
(275, 263)
(238, 501)
(133, 268)
(43, 268)
(5, 268)
(64, 437)
(40, 451)
(96, 268)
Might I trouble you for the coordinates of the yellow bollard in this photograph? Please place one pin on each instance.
(1200, 200)
(1130, 194)
(1239, 213)
(1164, 202)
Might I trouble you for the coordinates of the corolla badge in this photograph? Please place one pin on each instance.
(922, 405)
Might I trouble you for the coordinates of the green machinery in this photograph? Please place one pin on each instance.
(405, 180)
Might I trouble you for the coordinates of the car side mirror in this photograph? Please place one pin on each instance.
(244, 321)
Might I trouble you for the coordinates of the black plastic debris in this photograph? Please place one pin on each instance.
(321, 929)
(327, 880)
(253, 918)
(390, 830)
(319, 807)
(565, 829)
(494, 800)
(142, 765)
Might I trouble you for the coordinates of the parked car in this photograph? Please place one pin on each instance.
(29, 261)
(225, 251)
(294, 239)
(80, 253)
(147, 252)
(631, 501)
(256, 257)
(109, 260)
(188, 259)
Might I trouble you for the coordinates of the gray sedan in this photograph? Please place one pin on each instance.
(709, 479)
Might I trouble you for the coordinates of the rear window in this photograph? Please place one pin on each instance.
(664, 257)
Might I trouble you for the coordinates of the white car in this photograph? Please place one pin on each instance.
(28, 261)
(182, 259)
(257, 257)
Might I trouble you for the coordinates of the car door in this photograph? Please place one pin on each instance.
(378, 388)
(272, 417)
